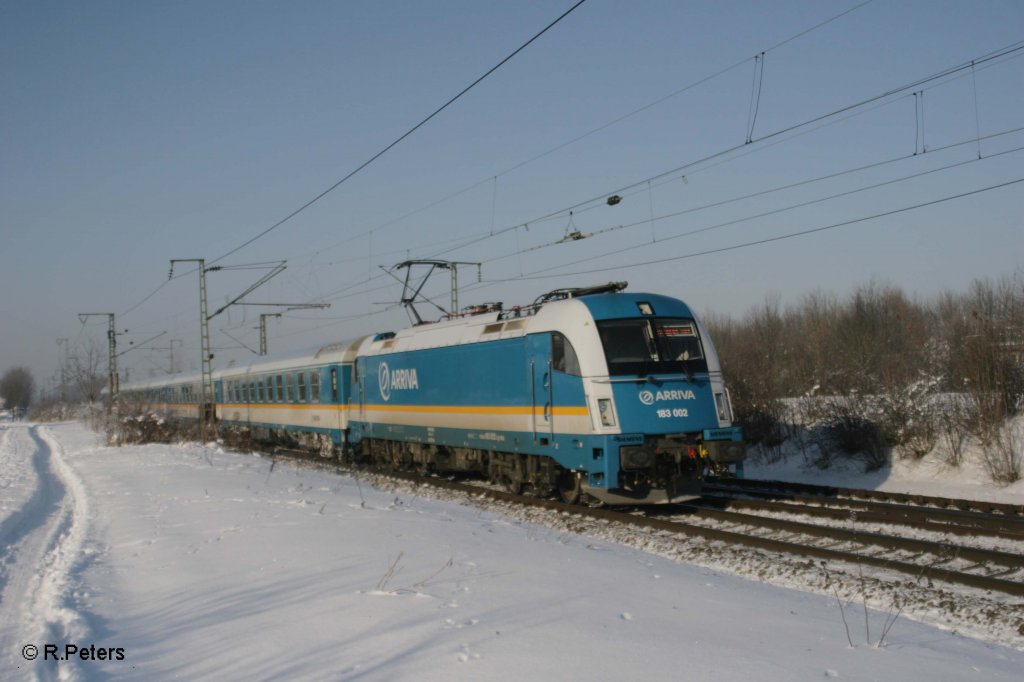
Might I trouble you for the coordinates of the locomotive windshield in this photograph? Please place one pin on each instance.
(652, 346)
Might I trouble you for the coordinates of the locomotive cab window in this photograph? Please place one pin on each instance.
(652, 346)
(563, 355)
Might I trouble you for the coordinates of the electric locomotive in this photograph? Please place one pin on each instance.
(589, 392)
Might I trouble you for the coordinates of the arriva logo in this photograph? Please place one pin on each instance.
(399, 380)
(650, 397)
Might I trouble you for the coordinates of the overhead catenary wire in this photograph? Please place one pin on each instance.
(769, 240)
(369, 161)
(594, 131)
(517, 227)
(339, 295)
(1014, 48)
(404, 135)
(620, 250)
(521, 164)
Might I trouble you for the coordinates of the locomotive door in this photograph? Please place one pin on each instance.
(542, 390)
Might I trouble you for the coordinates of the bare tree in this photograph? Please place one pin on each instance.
(16, 388)
(84, 369)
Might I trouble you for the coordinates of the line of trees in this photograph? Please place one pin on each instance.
(16, 389)
(878, 372)
(80, 379)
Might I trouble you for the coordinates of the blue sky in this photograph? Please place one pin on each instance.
(132, 133)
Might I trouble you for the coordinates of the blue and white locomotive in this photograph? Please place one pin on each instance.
(588, 393)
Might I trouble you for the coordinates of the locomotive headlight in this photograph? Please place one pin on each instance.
(724, 414)
(604, 408)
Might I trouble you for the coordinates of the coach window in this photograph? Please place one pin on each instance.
(301, 384)
(334, 384)
(261, 393)
(280, 388)
(288, 390)
(563, 355)
(252, 391)
(314, 386)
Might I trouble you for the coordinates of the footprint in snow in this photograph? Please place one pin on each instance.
(466, 655)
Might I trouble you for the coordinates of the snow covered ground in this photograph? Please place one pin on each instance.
(930, 475)
(187, 562)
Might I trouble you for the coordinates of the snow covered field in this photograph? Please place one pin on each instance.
(187, 562)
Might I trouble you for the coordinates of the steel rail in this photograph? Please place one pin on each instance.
(938, 549)
(932, 572)
(877, 512)
(1009, 510)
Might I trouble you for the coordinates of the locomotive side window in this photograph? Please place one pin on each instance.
(653, 345)
(563, 355)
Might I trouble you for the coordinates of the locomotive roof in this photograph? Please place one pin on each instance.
(623, 305)
(550, 316)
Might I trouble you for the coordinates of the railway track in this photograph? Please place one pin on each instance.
(711, 518)
(927, 518)
(834, 495)
(985, 569)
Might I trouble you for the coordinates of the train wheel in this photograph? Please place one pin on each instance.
(512, 485)
(569, 487)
